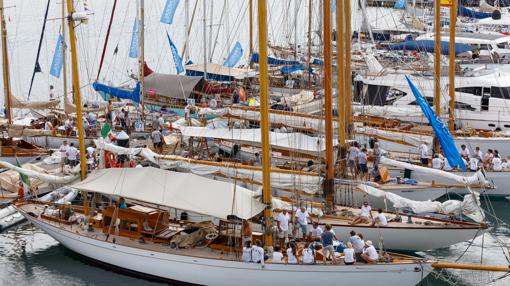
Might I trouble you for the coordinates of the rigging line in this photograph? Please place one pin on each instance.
(37, 67)
(218, 31)
(106, 39)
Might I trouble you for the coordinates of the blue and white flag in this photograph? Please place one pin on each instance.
(333, 6)
(58, 58)
(234, 56)
(175, 55)
(133, 50)
(168, 12)
(400, 4)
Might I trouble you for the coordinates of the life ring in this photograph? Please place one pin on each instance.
(211, 236)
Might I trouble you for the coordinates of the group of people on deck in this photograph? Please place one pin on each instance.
(491, 160)
(289, 251)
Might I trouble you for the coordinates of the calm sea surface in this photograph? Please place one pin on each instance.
(30, 257)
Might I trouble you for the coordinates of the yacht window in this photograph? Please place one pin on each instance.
(484, 47)
(463, 106)
(500, 92)
(502, 46)
(430, 101)
(474, 90)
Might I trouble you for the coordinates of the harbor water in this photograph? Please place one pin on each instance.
(28, 256)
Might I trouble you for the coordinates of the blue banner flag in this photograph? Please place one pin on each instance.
(58, 58)
(175, 55)
(234, 56)
(168, 12)
(443, 135)
(400, 4)
(133, 50)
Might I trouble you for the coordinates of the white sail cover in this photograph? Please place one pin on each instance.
(411, 139)
(40, 175)
(183, 191)
(296, 142)
(307, 184)
(117, 150)
(470, 206)
(477, 179)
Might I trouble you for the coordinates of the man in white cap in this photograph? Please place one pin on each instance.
(369, 254)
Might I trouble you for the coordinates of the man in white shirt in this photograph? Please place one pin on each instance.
(496, 164)
(351, 159)
(63, 154)
(302, 218)
(424, 154)
(369, 254)
(473, 164)
(464, 152)
(356, 241)
(366, 212)
(72, 155)
(315, 232)
(257, 255)
(247, 252)
(91, 159)
(437, 163)
(478, 153)
(379, 219)
(283, 226)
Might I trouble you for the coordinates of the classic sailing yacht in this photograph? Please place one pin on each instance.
(141, 238)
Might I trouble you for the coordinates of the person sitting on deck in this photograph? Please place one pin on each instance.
(292, 257)
(464, 152)
(379, 218)
(366, 212)
(277, 255)
(247, 252)
(349, 254)
(473, 164)
(369, 254)
(258, 253)
(122, 204)
(308, 255)
(327, 244)
(437, 163)
(496, 164)
(315, 232)
(356, 242)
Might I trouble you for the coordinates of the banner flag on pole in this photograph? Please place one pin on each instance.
(133, 50)
(175, 55)
(58, 58)
(169, 11)
(234, 56)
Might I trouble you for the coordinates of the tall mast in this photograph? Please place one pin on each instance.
(64, 56)
(309, 42)
(340, 64)
(5, 58)
(251, 31)
(451, 74)
(76, 88)
(348, 73)
(204, 8)
(141, 65)
(328, 102)
(186, 28)
(437, 64)
(264, 121)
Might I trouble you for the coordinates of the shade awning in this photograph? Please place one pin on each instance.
(183, 191)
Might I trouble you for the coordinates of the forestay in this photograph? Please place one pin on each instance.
(183, 191)
(470, 206)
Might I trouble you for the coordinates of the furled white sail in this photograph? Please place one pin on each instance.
(469, 206)
(477, 179)
(183, 191)
(411, 139)
(307, 184)
(296, 142)
(41, 176)
(143, 152)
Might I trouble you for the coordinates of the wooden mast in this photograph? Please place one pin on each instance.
(328, 104)
(310, 9)
(437, 65)
(5, 60)
(348, 73)
(340, 63)
(64, 56)
(141, 66)
(251, 31)
(76, 88)
(264, 124)
(451, 74)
